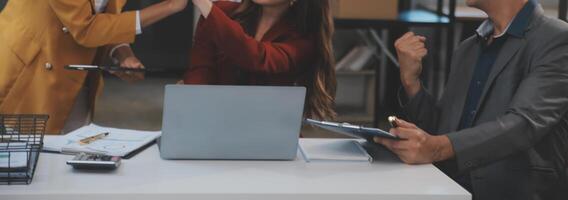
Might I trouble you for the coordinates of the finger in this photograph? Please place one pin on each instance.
(418, 46)
(405, 133)
(404, 124)
(137, 65)
(407, 35)
(407, 145)
(421, 38)
(411, 40)
(406, 40)
(388, 143)
(391, 146)
(414, 46)
(127, 64)
(408, 133)
(422, 52)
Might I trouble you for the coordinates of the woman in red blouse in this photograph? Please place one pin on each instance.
(267, 42)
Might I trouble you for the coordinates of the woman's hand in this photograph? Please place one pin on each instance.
(204, 6)
(127, 59)
(133, 63)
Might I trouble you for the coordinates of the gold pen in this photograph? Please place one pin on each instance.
(392, 121)
(93, 138)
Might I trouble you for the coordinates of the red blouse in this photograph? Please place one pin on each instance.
(224, 54)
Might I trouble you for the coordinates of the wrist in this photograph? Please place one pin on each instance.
(442, 148)
(411, 85)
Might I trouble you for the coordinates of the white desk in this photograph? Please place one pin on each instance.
(147, 177)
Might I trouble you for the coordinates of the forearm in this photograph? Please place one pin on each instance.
(491, 141)
(411, 49)
(411, 86)
(157, 12)
(86, 27)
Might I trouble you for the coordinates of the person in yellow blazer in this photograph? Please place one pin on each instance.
(39, 37)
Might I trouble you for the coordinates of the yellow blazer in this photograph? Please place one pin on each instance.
(39, 37)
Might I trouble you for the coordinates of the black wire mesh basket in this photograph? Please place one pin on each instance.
(21, 140)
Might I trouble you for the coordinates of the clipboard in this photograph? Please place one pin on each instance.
(120, 142)
(353, 130)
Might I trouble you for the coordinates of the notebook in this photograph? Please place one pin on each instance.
(335, 150)
(120, 142)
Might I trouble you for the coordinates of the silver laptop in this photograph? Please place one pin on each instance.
(231, 122)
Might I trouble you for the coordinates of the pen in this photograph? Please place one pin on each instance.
(392, 121)
(93, 138)
(110, 68)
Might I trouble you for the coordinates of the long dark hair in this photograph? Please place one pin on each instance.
(312, 17)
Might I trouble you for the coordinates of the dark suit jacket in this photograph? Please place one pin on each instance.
(518, 146)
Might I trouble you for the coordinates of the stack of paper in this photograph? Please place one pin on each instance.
(120, 142)
(333, 150)
(16, 159)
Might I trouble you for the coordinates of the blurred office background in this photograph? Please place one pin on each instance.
(367, 79)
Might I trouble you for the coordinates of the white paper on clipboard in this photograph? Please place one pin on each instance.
(120, 142)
